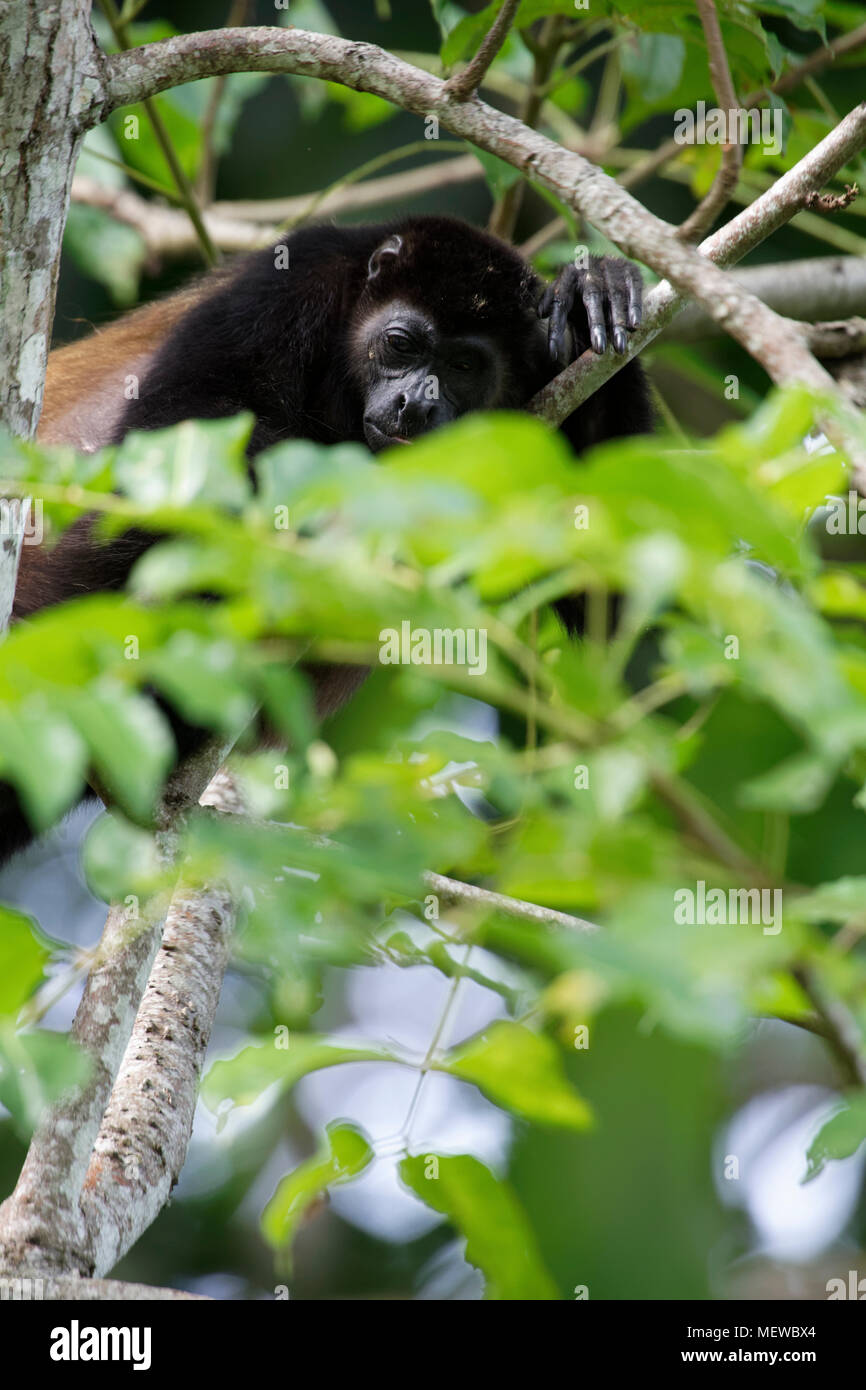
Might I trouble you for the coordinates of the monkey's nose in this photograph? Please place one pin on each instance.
(414, 416)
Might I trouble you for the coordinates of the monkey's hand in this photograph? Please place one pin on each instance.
(603, 300)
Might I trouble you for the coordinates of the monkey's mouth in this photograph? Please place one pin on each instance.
(377, 439)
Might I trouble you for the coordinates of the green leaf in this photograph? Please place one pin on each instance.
(119, 858)
(32, 739)
(36, 1069)
(202, 678)
(842, 901)
(109, 251)
(130, 742)
(484, 1209)
(655, 64)
(23, 953)
(198, 460)
(499, 175)
(241, 1079)
(798, 784)
(521, 1071)
(840, 1137)
(361, 110)
(465, 36)
(288, 702)
(345, 1153)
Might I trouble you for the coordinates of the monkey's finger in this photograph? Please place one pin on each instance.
(593, 303)
(557, 330)
(617, 307)
(635, 296)
(545, 303)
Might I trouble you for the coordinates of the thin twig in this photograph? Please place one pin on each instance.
(816, 62)
(503, 218)
(453, 891)
(466, 83)
(840, 1028)
(705, 214)
(186, 192)
(238, 15)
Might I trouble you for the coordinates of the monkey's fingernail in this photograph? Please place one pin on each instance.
(598, 338)
(620, 341)
(633, 319)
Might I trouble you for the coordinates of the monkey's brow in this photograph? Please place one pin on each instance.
(410, 320)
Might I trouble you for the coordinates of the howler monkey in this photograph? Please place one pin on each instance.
(333, 335)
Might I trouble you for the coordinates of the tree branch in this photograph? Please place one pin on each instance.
(466, 83)
(453, 891)
(167, 232)
(239, 14)
(816, 62)
(840, 1029)
(13, 524)
(726, 246)
(705, 214)
(143, 1138)
(506, 211)
(246, 226)
(571, 178)
(184, 187)
(824, 287)
(40, 101)
(42, 1224)
(390, 188)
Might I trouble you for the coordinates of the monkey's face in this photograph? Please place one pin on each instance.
(415, 378)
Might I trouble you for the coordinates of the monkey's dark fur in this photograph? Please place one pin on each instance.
(335, 347)
(276, 341)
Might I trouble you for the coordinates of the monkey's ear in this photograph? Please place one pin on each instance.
(388, 250)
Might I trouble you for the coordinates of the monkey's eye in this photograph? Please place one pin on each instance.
(399, 343)
(464, 365)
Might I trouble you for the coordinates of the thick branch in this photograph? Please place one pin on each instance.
(69, 1289)
(13, 524)
(588, 190)
(726, 246)
(143, 1138)
(824, 287)
(51, 68)
(41, 1225)
(245, 226)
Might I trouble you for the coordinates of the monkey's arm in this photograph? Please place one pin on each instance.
(595, 307)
